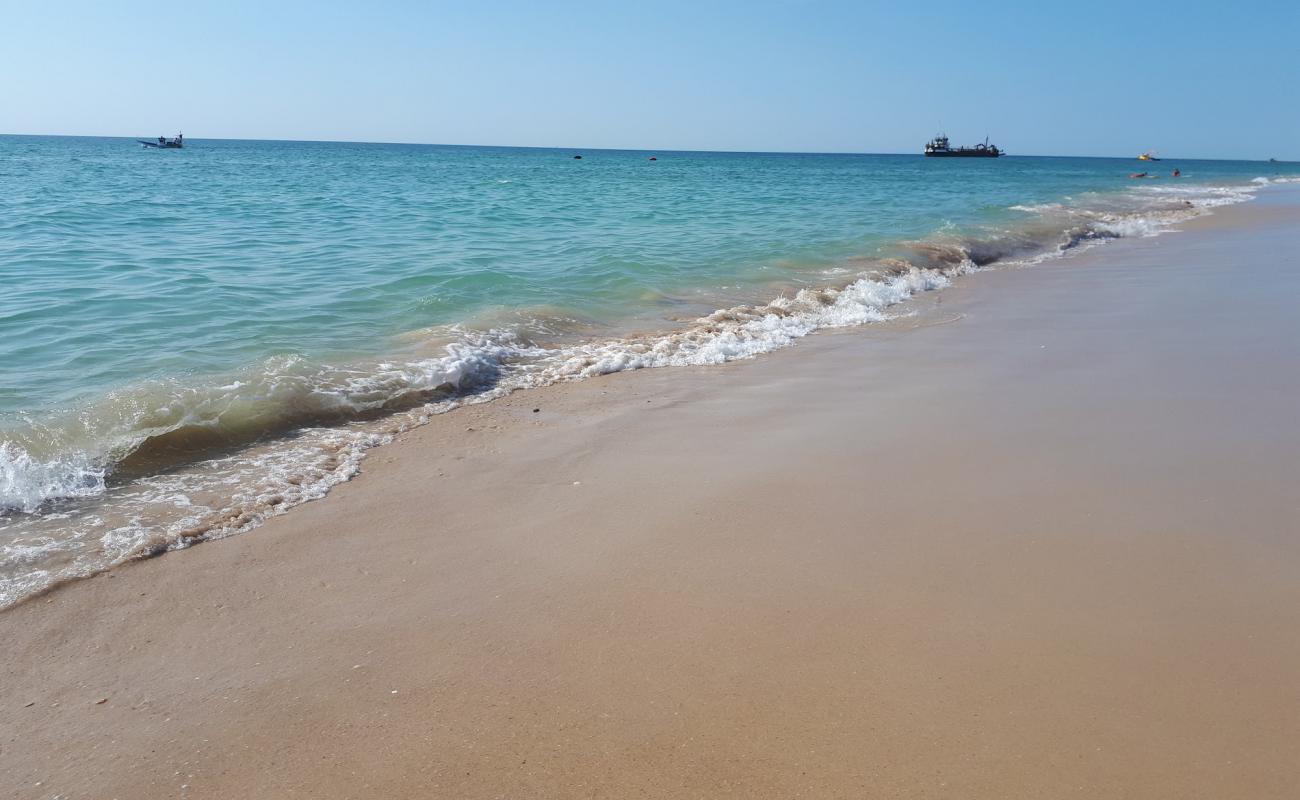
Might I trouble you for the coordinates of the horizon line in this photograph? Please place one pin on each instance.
(621, 149)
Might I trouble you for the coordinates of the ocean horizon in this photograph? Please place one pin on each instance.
(579, 149)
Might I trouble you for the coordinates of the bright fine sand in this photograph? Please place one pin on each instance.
(1040, 540)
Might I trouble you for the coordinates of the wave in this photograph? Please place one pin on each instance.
(174, 463)
(156, 426)
(159, 426)
(746, 331)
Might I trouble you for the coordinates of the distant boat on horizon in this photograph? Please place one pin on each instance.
(938, 148)
(1148, 156)
(163, 143)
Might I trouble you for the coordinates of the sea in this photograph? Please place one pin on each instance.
(195, 340)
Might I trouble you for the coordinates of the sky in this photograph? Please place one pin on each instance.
(1192, 79)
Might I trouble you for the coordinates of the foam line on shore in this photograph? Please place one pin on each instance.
(163, 465)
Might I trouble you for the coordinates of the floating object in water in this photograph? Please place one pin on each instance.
(938, 147)
(163, 143)
(1148, 156)
(652, 158)
(577, 156)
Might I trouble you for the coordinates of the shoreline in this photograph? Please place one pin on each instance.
(162, 465)
(1034, 541)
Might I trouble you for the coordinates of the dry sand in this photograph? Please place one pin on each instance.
(1040, 541)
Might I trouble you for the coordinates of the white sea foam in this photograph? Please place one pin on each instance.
(1201, 197)
(325, 406)
(1036, 208)
(748, 331)
(163, 512)
(1134, 227)
(27, 481)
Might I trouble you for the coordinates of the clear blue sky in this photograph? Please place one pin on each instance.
(1191, 79)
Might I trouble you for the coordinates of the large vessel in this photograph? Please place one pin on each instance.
(938, 146)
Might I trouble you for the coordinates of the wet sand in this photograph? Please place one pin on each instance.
(1040, 540)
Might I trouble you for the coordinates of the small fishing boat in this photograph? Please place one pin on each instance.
(163, 143)
(1148, 156)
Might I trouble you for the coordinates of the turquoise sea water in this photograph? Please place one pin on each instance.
(185, 334)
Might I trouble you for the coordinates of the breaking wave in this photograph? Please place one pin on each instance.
(161, 465)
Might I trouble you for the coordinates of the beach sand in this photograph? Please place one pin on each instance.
(1041, 539)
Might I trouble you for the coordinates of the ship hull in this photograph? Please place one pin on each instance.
(961, 154)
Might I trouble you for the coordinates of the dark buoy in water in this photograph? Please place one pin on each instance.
(577, 156)
(652, 158)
